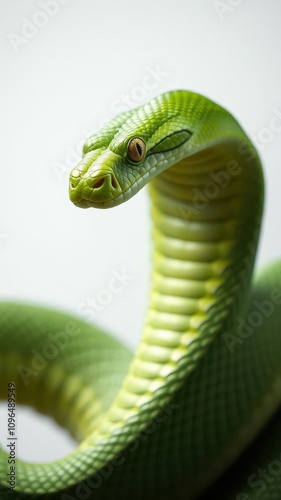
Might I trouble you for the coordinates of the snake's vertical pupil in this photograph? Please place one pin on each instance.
(139, 148)
(136, 149)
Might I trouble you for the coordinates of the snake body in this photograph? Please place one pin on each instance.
(205, 378)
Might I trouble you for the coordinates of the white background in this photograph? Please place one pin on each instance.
(88, 61)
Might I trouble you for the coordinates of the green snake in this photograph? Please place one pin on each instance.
(205, 379)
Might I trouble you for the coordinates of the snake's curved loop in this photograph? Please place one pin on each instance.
(166, 422)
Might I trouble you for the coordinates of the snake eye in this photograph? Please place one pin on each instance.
(136, 149)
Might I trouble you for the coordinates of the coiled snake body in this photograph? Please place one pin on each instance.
(167, 421)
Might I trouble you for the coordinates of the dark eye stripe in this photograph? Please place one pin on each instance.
(171, 141)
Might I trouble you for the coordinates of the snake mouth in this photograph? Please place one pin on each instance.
(81, 203)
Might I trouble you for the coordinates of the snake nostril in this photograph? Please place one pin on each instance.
(98, 183)
(114, 182)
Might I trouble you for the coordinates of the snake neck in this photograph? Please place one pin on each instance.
(206, 213)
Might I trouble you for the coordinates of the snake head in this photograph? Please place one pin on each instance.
(128, 152)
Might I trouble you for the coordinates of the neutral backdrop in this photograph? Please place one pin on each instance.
(67, 67)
